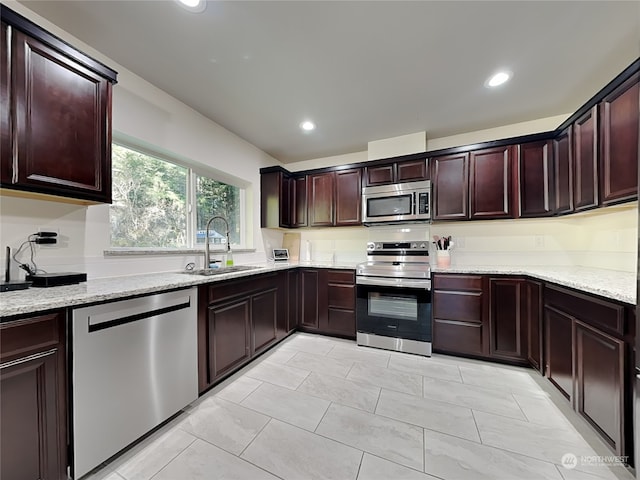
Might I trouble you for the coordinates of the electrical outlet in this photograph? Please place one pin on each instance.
(539, 241)
(459, 242)
(48, 238)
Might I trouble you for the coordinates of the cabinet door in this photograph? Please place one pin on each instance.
(450, 187)
(294, 301)
(264, 314)
(535, 173)
(348, 197)
(33, 407)
(275, 193)
(380, 175)
(585, 135)
(62, 127)
(600, 383)
(29, 416)
(229, 336)
(507, 319)
(412, 171)
(619, 159)
(534, 324)
(309, 285)
(299, 202)
(563, 168)
(321, 195)
(559, 350)
(491, 183)
(6, 132)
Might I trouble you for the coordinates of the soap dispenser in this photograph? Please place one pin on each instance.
(229, 262)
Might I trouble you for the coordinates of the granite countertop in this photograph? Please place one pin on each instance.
(105, 289)
(610, 284)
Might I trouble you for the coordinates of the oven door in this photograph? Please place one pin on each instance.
(392, 307)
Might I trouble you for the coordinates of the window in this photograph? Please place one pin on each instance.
(159, 204)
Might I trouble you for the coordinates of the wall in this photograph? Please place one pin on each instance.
(147, 116)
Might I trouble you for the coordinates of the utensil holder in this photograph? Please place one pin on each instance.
(443, 259)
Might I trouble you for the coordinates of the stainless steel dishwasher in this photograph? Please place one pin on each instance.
(134, 365)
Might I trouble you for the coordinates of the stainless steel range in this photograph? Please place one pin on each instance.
(393, 308)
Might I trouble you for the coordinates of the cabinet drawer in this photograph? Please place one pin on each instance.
(463, 306)
(342, 296)
(341, 276)
(341, 321)
(457, 282)
(457, 337)
(35, 334)
(233, 288)
(594, 311)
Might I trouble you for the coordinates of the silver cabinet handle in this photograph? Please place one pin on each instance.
(35, 356)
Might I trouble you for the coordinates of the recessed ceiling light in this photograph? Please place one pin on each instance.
(498, 79)
(307, 126)
(195, 6)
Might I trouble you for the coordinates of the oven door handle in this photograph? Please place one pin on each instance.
(394, 282)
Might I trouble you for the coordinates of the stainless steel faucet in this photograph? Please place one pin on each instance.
(207, 252)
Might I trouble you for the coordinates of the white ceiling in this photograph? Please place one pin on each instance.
(361, 70)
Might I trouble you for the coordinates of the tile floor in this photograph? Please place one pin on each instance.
(316, 407)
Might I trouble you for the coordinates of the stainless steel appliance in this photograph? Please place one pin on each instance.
(393, 305)
(401, 202)
(134, 365)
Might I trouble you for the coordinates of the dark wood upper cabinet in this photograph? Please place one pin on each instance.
(298, 201)
(59, 120)
(380, 175)
(450, 186)
(275, 199)
(619, 140)
(396, 172)
(535, 172)
(563, 169)
(491, 183)
(321, 199)
(6, 131)
(585, 136)
(412, 171)
(348, 197)
(33, 411)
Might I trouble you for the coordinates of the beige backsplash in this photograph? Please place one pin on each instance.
(602, 238)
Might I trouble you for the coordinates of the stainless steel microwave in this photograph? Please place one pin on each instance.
(400, 202)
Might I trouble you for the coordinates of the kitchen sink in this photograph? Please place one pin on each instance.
(221, 271)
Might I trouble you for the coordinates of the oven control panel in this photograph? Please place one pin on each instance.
(393, 247)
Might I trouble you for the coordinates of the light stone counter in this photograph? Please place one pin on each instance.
(105, 289)
(610, 284)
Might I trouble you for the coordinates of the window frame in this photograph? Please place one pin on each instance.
(193, 171)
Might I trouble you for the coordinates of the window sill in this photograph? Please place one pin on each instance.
(124, 252)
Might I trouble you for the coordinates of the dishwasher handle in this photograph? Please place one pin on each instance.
(128, 311)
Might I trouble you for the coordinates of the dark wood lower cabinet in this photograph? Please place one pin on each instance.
(33, 434)
(600, 383)
(328, 301)
(559, 351)
(533, 309)
(238, 319)
(229, 336)
(507, 319)
(460, 323)
(264, 313)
